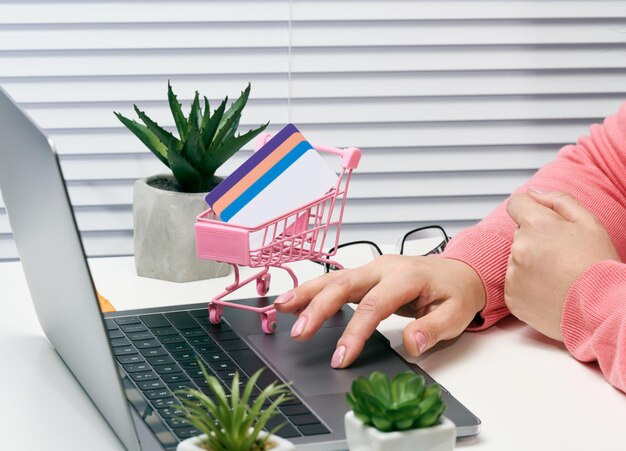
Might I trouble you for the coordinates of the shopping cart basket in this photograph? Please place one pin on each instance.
(297, 235)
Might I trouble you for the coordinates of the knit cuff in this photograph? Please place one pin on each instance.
(586, 304)
(488, 255)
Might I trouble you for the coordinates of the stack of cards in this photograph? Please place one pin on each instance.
(283, 175)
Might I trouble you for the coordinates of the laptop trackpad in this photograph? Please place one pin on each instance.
(307, 363)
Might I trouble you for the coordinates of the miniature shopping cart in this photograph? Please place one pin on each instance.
(297, 235)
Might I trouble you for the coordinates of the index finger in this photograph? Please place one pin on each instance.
(378, 304)
(526, 211)
(356, 281)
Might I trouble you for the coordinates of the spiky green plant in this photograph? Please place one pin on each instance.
(397, 405)
(205, 142)
(233, 424)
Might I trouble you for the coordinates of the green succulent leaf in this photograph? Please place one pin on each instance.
(163, 135)
(209, 132)
(179, 117)
(150, 140)
(400, 404)
(381, 386)
(207, 114)
(186, 175)
(193, 151)
(195, 116)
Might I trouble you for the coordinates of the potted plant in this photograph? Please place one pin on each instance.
(401, 414)
(236, 423)
(165, 206)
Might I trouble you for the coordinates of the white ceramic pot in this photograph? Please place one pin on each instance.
(191, 444)
(165, 240)
(360, 437)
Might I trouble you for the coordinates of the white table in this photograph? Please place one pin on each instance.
(527, 390)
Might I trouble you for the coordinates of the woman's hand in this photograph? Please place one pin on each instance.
(556, 241)
(442, 294)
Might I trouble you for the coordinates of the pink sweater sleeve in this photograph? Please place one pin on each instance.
(594, 172)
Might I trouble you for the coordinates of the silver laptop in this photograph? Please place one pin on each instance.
(130, 362)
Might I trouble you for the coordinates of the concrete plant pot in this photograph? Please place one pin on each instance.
(276, 443)
(360, 437)
(165, 243)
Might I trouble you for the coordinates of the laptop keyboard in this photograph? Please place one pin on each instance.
(158, 354)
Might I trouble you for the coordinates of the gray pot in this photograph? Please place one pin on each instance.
(165, 242)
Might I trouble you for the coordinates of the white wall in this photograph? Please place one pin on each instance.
(454, 103)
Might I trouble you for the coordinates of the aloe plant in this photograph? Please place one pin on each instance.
(205, 141)
(397, 405)
(235, 423)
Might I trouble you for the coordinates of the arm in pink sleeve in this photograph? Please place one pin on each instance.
(593, 171)
(594, 319)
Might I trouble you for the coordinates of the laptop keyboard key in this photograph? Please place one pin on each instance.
(129, 328)
(126, 320)
(123, 350)
(201, 341)
(175, 347)
(143, 376)
(153, 352)
(186, 432)
(223, 365)
(158, 393)
(115, 333)
(131, 358)
(171, 339)
(174, 377)
(208, 348)
(169, 412)
(185, 355)
(225, 336)
(234, 345)
(297, 409)
(160, 331)
(287, 431)
(155, 320)
(167, 369)
(181, 385)
(182, 320)
(300, 420)
(177, 423)
(150, 385)
(196, 332)
(144, 344)
(109, 324)
(250, 363)
(313, 429)
(160, 360)
(137, 367)
(162, 403)
(143, 335)
(120, 341)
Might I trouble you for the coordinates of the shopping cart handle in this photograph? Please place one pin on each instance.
(350, 156)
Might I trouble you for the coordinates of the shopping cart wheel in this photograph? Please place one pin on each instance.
(263, 284)
(268, 322)
(214, 315)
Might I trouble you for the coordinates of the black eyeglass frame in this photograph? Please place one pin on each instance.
(328, 266)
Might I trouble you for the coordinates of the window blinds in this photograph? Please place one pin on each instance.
(454, 103)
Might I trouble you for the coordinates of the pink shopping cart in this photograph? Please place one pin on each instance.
(297, 235)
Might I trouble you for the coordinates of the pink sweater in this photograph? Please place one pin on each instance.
(594, 317)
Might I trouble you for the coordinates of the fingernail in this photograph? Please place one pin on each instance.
(420, 339)
(298, 327)
(284, 298)
(338, 357)
(535, 189)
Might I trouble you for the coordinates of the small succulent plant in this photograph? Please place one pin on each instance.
(397, 405)
(235, 423)
(205, 142)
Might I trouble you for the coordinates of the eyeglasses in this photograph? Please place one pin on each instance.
(422, 241)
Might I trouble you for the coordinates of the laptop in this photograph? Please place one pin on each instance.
(130, 362)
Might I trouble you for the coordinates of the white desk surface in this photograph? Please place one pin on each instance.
(527, 390)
